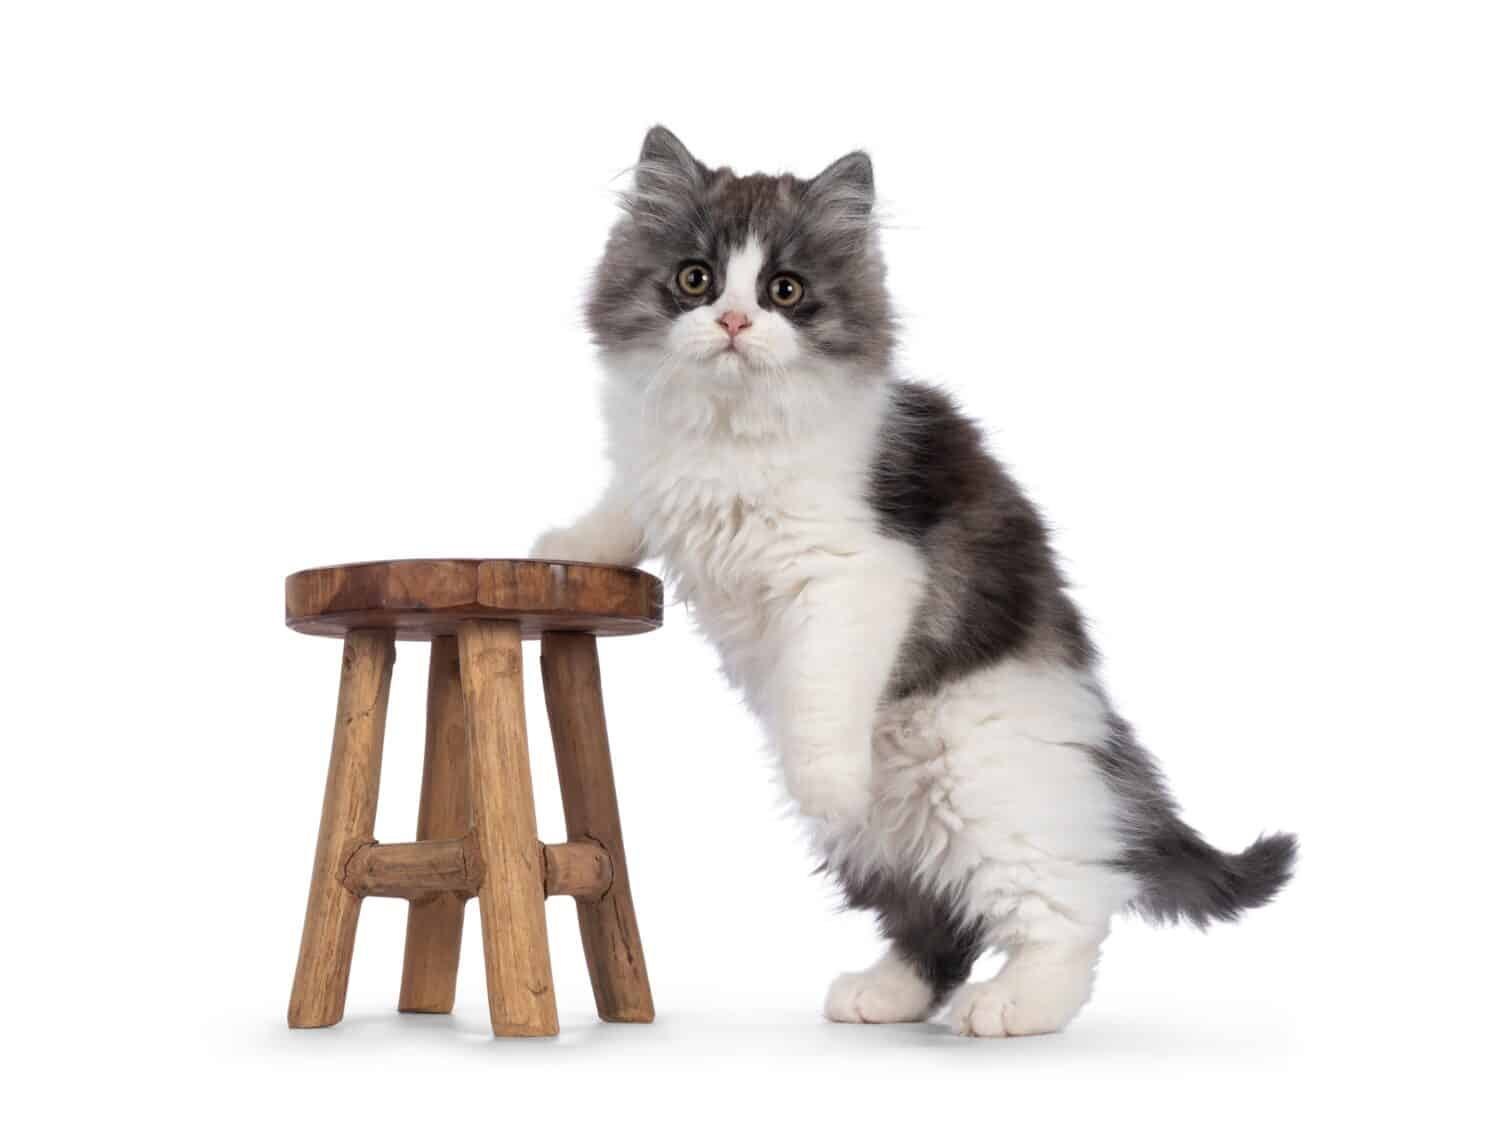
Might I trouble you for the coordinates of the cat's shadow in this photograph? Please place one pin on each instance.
(772, 1035)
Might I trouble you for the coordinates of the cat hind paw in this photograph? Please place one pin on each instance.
(878, 995)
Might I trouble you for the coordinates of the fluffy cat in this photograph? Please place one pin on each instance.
(884, 596)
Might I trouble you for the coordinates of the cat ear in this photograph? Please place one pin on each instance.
(840, 201)
(666, 163)
(667, 180)
(846, 187)
(661, 146)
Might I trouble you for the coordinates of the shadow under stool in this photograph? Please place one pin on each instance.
(476, 823)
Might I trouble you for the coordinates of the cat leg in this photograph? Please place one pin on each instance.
(889, 991)
(606, 534)
(836, 642)
(1040, 989)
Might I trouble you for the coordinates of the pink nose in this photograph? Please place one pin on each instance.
(734, 323)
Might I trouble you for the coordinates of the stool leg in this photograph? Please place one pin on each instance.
(435, 925)
(516, 962)
(348, 821)
(575, 708)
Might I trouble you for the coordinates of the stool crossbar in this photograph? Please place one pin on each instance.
(476, 821)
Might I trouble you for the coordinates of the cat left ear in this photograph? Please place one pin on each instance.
(847, 184)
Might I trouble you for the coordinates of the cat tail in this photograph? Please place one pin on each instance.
(1182, 878)
(1178, 875)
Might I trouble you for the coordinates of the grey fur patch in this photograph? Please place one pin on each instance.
(822, 230)
(995, 588)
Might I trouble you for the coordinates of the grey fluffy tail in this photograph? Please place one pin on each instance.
(1184, 879)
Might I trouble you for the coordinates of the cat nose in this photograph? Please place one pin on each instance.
(734, 323)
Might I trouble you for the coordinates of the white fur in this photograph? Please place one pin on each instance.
(1038, 991)
(745, 471)
(888, 991)
(985, 789)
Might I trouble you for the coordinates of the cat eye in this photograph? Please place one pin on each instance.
(694, 278)
(785, 290)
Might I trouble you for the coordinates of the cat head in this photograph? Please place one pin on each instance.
(741, 284)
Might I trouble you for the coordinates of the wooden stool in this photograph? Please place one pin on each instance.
(476, 826)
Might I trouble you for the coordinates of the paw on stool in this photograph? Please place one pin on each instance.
(476, 821)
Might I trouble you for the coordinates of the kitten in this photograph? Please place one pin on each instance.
(884, 596)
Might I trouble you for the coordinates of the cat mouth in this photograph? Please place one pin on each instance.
(732, 364)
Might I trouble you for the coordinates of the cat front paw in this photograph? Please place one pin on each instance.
(567, 544)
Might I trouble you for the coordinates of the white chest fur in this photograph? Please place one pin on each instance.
(743, 523)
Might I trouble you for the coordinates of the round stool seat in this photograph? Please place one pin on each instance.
(423, 598)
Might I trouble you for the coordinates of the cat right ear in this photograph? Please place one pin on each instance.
(666, 163)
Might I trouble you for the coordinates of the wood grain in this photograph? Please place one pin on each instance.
(322, 977)
(517, 966)
(421, 598)
(435, 923)
(452, 868)
(611, 937)
(580, 870)
(418, 872)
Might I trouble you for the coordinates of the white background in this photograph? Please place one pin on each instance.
(284, 285)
